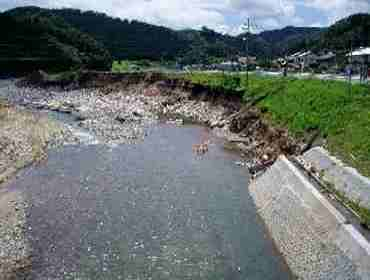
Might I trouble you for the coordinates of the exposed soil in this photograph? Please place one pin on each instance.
(243, 125)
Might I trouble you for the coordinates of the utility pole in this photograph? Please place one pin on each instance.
(350, 70)
(246, 38)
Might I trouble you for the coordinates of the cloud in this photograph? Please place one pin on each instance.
(264, 8)
(224, 16)
(177, 14)
(337, 9)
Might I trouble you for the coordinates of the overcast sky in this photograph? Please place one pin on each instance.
(221, 15)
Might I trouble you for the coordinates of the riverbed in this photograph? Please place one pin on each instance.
(126, 197)
(151, 210)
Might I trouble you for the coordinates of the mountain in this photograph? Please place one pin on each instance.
(126, 39)
(207, 43)
(73, 37)
(353, 30)
(32, 38)
(137, 40)
(290, 38)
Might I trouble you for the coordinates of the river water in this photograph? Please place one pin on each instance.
(152, 210)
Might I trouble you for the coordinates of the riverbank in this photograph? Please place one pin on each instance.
(121, 108)
(24, 138)
(223, 110)
(318, 241)
(326, 112)
(276, 116)
(83, 174)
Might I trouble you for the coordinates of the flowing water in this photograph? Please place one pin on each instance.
(153, 210)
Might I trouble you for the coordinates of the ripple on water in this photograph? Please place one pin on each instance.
(147, 211)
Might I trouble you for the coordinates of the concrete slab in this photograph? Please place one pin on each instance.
(315, 239)
(345, 179)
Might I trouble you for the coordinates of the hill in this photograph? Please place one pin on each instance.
(32, 38)
(137, 40)
(290, 38)
(74, 37)
(126, 39)
(353, 30)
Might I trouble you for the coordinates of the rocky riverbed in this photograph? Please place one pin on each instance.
(121, 112)
(24, 138)
(114, 114)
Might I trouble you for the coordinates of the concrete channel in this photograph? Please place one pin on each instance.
(317, 241)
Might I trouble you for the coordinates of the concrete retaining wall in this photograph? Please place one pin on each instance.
(315, 239)
(344, 179)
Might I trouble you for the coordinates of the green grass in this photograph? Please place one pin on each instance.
(126, 66)
(120, 66)
(304, 106)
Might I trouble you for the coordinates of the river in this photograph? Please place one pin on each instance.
(152, 210)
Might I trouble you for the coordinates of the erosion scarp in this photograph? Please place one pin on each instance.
(242, 124)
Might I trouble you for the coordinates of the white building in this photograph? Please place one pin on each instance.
(304, 59)
(361, 55)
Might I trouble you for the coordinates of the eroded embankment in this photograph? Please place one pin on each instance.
(115, 108)
(242, 124)
(118, 114)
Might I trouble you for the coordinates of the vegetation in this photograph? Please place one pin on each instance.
(71, 37)
(362, 212)
(306, 106)
(290, 39)
(141, 65)
(35, 39)
(354, 30)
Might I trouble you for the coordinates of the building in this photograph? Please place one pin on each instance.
(360, 56)
(303, 58)
(327, 61)
(248, 59)
(360, 60)
(227, 66)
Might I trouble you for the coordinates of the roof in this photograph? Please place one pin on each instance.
(360, 52)
(326, 56)
(299, 54)
(304, 54)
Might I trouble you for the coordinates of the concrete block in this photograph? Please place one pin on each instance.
(312, 235)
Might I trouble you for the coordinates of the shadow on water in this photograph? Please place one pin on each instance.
(153, 210)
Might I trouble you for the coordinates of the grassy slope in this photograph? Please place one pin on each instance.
(308, 105)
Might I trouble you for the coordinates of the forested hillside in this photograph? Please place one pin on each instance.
(354, 30)
(290, 38)
(126, 39)
(35, 39)
(136, 40)
(67, 37)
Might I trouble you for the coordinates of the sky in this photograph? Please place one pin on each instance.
(225, 16)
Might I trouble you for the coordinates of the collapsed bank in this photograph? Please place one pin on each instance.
(315, 238)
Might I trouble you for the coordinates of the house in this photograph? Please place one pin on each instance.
(252, 60)
(360, 60)
(302, 59)
(360, 56)
(227, 66)
(326, 60)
